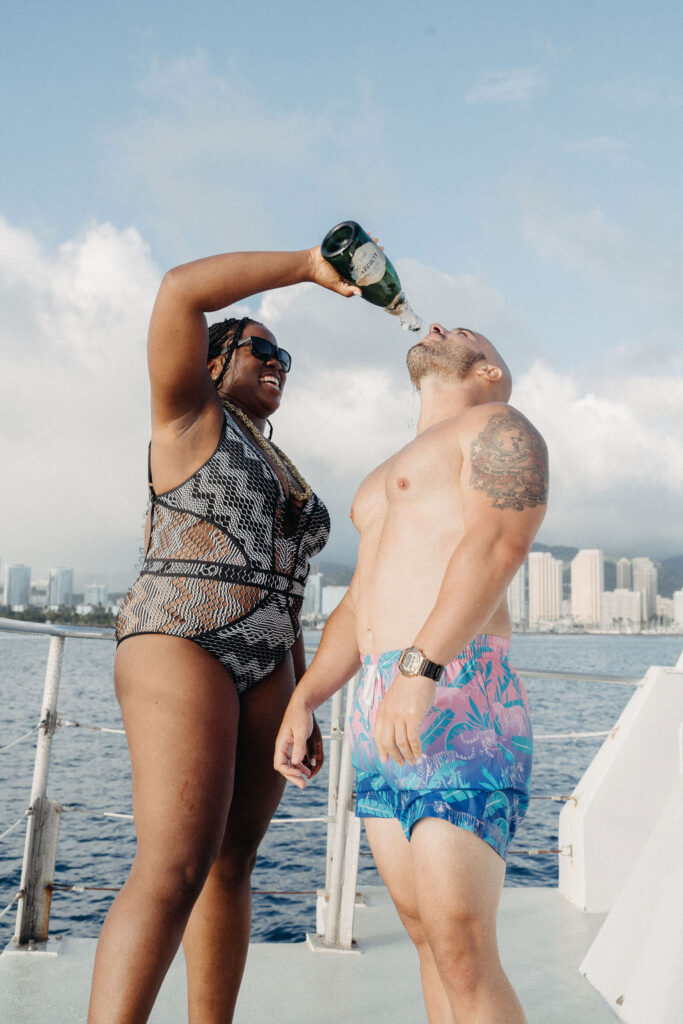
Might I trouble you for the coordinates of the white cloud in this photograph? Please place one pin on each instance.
(616, 458)
(74, 398)
(514, 86)
(76, 409)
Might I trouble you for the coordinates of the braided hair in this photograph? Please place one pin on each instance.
(229, 330)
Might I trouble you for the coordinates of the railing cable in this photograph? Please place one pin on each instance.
(67, 724)
(15, 825)
(26, 736)
(580, 677)
(15, 899)
(73, 808)
(95, 813)
(79, 889)
(564, 851)
(285, 821)
(574, 735)
(557, 799)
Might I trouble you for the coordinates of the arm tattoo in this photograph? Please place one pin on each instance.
(509, 463)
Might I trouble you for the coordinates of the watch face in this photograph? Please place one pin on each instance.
(411, 659)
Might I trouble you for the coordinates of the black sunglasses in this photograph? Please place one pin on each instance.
(264, 350)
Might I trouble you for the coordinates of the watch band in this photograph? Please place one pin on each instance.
(412, 663)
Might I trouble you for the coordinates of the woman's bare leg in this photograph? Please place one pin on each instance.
(216, 939)
(181, 712)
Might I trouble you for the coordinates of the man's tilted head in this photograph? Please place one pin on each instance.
(460, 355)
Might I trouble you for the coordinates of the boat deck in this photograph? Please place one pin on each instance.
(543, 939)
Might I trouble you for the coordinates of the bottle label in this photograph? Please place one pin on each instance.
(368, 265)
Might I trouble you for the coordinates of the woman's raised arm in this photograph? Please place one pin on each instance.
(178, 338)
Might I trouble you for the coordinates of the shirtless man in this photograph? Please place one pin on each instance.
(440, 736)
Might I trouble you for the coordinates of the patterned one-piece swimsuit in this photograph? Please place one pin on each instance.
(227, 561)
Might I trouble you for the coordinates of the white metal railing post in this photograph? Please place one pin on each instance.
(348, 894)
(336, 738)
(344, 800)
(40, 850)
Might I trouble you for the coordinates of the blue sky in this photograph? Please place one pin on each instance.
(521, 162)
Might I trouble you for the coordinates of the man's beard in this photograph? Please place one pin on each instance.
(455, 362)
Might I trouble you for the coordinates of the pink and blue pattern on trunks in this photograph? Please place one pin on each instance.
(476, 747)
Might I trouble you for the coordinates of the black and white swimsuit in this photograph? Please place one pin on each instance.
(227, 561)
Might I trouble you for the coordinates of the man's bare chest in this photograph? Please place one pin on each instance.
(425, 472)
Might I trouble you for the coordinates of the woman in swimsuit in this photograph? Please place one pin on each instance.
(212, 645)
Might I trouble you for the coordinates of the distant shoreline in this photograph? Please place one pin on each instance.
(595, 632)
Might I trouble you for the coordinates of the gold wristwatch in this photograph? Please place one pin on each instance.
(412, 663)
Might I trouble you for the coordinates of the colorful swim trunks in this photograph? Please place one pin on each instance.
(476, 747)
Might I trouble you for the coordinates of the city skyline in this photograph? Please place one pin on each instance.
(589, 605)
(536, 600)
(536, 595)
(83, 578)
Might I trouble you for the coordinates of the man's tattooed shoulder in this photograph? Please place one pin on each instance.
(509, 462)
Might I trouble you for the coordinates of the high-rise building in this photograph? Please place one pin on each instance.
(588, 584)
(313, 596)
(96, 593)
(678, 607)
(545, 587)
(665, 610)
(517, 596)
(17, 585)
(645, 580)
(60, 587)
(624, 574)
(621, 609)
(331, 598)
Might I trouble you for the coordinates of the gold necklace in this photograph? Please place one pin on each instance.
(278, 456)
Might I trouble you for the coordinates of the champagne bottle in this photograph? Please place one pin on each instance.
(355, 256)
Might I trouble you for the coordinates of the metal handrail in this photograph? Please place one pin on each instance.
(105, 633)
(582, 677)
(73, 632)
(57, 629)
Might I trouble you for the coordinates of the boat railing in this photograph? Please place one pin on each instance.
(336, 902)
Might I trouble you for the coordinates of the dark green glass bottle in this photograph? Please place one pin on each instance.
(358, 259)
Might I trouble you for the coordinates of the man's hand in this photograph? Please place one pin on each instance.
(298, 744)
(400, 715)
(323, 273)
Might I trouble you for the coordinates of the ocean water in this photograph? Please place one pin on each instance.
(91, 770)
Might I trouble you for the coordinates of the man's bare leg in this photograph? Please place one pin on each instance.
(392, 854)
(458, 881)
(456, 884)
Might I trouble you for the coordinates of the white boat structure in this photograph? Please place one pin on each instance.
(605, 945)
